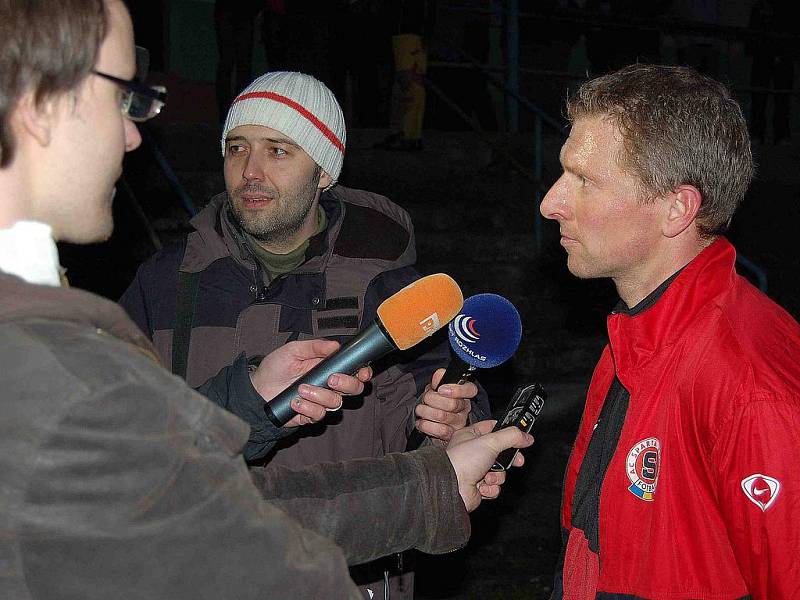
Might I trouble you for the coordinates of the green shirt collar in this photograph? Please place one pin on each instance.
(280, 264)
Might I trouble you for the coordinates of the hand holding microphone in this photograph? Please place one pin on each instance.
(290, 361)
(405, 319)
(442, 409)
(485, 334)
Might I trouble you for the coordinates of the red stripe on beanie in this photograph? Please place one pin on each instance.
(299, 108)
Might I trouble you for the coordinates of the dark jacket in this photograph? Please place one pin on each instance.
(365, 255)
(118, 481)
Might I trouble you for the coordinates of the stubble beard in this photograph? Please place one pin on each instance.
(289, 211)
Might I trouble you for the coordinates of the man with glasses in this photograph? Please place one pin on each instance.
(139, 102)
(118, 481)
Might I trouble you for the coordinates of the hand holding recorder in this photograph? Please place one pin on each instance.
(472, 452)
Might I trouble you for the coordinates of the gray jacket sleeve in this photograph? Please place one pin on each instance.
(132, 496)
(133, 486)
(373, 507)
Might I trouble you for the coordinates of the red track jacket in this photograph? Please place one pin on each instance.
(686, 484)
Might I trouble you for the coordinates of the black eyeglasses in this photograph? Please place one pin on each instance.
(139, 102)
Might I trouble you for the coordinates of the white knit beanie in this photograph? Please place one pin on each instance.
(298, 106)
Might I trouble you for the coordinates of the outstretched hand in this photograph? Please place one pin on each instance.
(473, 450)
(283, 366)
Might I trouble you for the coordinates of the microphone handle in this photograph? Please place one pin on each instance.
(457, 371)
(360, 350)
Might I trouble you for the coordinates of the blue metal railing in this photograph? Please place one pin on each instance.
(169, 173)
(174, 183)
(540, 119)
(512, 57)
(515, 100)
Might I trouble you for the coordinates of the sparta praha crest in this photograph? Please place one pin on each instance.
(642, 466)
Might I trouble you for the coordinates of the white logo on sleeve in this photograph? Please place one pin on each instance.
(761, 490)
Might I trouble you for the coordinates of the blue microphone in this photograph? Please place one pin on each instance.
(485, 334)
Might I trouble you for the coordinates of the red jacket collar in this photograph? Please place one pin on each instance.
(633, 339)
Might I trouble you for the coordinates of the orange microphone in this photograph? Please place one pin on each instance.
(404, 320)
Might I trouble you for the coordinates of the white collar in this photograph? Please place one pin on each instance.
(27, 250)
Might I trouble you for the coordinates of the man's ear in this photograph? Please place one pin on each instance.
(324, 181)
(37, 120)
(683, 204)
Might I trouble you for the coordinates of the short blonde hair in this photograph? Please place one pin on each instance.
(678, 127)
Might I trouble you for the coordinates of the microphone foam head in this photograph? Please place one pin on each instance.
(486, 332)
(420, 309)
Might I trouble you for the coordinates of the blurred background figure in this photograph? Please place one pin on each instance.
(625, 32)
(599, 39)
(234, 21)
(297, 36)
(698, 51)
(361, 60)
(773, 66)
(414, 20)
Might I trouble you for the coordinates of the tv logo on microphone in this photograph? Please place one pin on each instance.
(431, 324)
(464, 333)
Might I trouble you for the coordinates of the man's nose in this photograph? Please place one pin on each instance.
(554, 204)
(254, 168)
(133, 139)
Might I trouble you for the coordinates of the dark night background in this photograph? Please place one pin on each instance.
(473, 189)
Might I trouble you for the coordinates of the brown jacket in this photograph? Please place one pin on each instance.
(119, 481)
(365, 254)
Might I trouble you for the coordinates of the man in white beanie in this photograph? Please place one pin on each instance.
(288, 254)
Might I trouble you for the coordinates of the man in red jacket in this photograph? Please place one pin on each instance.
(683, 481)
